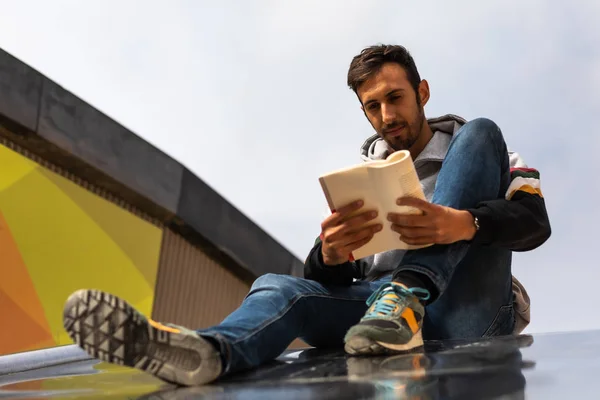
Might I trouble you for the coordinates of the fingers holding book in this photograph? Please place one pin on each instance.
(346, 230)
(436, 224)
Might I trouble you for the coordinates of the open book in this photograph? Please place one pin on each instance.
(379, 183)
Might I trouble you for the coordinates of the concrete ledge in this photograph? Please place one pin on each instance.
(84, 132)
(20, 88)
(30, 360)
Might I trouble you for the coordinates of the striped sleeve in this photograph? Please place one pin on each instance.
(524, 180)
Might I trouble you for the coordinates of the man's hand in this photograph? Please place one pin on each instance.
(342, 233)
(437, 224)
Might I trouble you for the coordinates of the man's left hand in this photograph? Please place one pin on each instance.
(436, 225)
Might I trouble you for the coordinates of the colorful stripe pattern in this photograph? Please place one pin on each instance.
(524, 180)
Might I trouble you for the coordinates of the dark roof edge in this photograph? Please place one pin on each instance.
(49, 121)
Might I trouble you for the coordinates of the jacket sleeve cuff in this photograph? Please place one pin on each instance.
(315, 269)
(316, 258)
(485, 234)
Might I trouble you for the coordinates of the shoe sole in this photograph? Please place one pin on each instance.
(361, 345)
(111, 330)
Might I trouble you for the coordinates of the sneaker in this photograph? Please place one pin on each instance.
(111, 330)
(391, 324)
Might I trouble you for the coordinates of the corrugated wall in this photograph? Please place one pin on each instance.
(192, 289)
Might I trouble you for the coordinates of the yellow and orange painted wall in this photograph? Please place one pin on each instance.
(57, 237)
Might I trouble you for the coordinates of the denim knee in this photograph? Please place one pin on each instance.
(277, 284)
(483, 130)
(271, 279)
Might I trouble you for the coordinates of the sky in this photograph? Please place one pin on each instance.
(251, 96)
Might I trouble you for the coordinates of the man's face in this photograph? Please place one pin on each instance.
(390, 104)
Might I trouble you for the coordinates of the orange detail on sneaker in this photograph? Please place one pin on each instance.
(162, 327)
(409, 315)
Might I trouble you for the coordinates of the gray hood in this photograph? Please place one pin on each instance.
(375, 148)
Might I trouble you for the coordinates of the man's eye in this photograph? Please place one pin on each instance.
(373, 107)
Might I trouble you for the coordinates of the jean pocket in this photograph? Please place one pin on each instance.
(503, 323)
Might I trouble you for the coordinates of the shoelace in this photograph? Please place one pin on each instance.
(396, 295)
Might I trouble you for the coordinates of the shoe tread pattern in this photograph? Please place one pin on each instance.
(111, 330)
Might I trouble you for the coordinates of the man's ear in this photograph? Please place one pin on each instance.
(424, 92)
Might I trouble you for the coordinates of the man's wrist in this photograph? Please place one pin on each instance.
(471, 226)
(326, 260)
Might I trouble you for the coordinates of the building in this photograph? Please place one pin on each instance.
(84, 202)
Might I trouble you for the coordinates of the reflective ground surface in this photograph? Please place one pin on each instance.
(551, 366)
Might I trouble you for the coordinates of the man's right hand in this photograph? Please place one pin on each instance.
(342, 233)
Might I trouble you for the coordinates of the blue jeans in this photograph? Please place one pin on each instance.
(281, 308)
(474, 283)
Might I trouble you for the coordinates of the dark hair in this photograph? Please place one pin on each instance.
(371, 59)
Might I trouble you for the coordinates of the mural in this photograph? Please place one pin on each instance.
(56, 237)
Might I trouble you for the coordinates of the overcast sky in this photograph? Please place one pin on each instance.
(252, 97)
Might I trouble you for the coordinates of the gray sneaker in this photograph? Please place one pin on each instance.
(111, 330)
(391, 324)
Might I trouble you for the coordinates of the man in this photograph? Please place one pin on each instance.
(480, 210)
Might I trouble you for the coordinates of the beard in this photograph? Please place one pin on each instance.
(411, 133)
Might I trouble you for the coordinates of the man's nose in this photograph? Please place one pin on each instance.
(387, 114)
